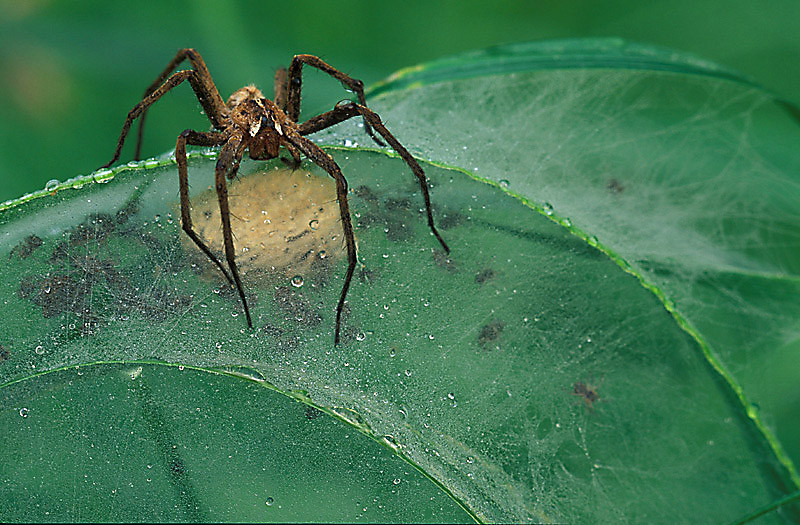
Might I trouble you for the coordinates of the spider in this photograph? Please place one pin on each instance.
(249, 121)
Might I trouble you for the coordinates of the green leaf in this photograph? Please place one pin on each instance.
(155, 443)
(602, 367)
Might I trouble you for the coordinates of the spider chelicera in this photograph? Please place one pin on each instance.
(249, 121)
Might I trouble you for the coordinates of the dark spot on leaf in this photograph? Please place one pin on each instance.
(615, 186)
(25, 248)
(273, 331)
(484, 275)
(442, 260)
(55, 294)
(490, 333)
(95, 229)
(312, 413)
(125, 213)
(449, 220)
(295, 307)
(366, 275)
(363, 192)
(397, 205)
(587, 392)
(176, 467)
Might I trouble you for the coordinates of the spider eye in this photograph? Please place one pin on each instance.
(266, 122)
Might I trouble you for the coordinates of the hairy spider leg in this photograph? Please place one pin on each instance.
(207, 93)
(348, 110)
(142, 106)
(326, 162)
(227, 163)
(280, 91)
(294, 81)
(195, 139)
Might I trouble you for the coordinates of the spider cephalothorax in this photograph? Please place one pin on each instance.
(259, 121)
(248, 121)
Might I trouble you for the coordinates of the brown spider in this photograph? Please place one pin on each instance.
(249, 121)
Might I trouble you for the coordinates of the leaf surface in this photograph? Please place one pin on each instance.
(529, 374)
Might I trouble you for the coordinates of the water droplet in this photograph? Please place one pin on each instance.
(392, 353)
(313, 224)
(396, 481)
(548, 208)
(47, 289)
(269, 502)
(470, 459)
(39, 350)
(408, 373)
(157, 218)
(297, 281)
(452, 397)
(566, 222)
(504, 183)
(352, 417)
(23, 412)
(361, 336)
(52, 184)
(322, 254)
(392, 442)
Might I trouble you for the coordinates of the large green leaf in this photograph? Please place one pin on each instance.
(685, 173)
(469, 367)
(153, 443)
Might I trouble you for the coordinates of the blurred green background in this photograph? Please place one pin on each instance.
(71, 70)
